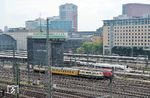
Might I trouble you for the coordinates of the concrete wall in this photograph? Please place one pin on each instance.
(21, 38)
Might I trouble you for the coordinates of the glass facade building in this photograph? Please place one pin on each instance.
(69, 11)
(60, 25)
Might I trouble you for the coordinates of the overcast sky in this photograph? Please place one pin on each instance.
(14, 13)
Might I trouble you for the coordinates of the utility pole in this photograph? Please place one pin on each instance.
(14, 63)
(28, 71)
(111, 84)
(49, 62)
(131, 51)
(17, 79)
(40, 23)
(15, 73)
(146, 63)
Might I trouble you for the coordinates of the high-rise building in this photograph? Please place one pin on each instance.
(131, 32)
(57, 24)
(135, 9)
(69, 11)
(35, 24)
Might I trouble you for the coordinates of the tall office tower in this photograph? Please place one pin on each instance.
(69, 11)
(135, 9)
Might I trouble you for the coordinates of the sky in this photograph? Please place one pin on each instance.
(14, 13)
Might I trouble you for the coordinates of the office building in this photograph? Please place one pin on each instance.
(69, 11)
(35, 25)
(18, 29)
(135, 9)
(131, 32)
(57, 24)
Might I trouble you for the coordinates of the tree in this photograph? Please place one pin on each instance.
(95, 47)
(87, 46)
(80, 50)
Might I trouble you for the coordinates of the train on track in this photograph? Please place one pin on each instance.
(87, 73)
(116, 67)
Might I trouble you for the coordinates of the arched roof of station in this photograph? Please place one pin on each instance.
(6, 36)
(7, 42)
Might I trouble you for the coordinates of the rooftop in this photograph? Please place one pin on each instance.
(52, 35)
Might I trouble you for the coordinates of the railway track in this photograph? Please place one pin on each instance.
(75, 87)
(103, 87)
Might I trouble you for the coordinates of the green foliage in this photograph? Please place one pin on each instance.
(91, 48)
(80, 50)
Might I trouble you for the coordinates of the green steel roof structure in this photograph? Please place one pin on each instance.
(52, 35)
